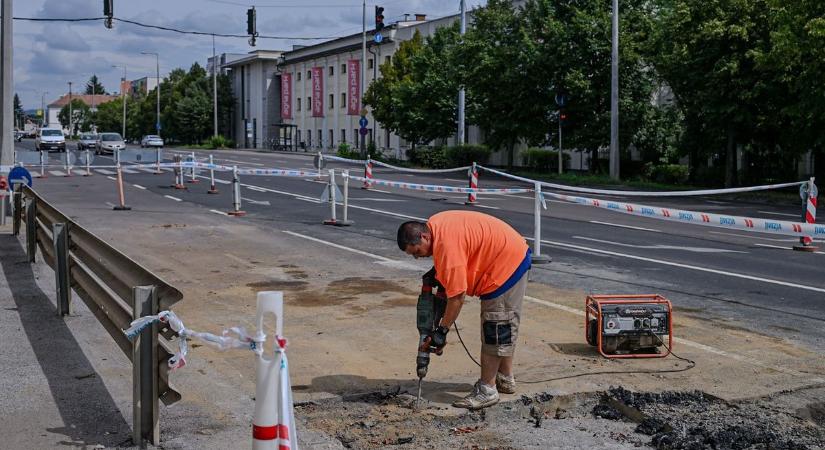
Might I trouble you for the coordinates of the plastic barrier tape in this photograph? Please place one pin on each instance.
(435, 188)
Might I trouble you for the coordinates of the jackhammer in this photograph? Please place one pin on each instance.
(429, 311)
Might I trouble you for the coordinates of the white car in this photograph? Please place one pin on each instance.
(151, 140)
(110, 143)
(50, 139)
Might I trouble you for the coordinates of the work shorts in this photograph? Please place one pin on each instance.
(500, 318)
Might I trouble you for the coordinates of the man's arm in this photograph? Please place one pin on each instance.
(454, 305)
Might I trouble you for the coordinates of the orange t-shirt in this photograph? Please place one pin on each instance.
(473, 252)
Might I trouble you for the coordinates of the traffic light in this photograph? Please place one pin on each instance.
(562, 117)
(379, 18)
(250, 25)
(108, 11)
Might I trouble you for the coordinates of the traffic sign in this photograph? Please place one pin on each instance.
(363, 122)
(561, 100)
(378, 38)
(19, 175)
(363, 112)
(363, 131)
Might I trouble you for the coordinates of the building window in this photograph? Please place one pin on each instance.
(355, 137)
(331, 100)
(299, 76)
(309, 138)
(343, 68)
(343, 135)
(387, 59)
(331, 138)
(298, 106)
(309, 103)
(343, 100)
(370, 63)
(309, 74)
(320, 138)
(331, 70)
(299, 137)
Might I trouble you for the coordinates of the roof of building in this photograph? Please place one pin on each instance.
(96, 99)
(257, 55)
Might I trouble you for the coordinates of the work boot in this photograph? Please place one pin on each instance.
(505, 384)
(481, 397)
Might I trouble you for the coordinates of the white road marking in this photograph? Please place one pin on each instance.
(173, 198)
(144, 169)
(304, 199)
(256, 202)
(486, 206)
(255, 188)
(125, 170)
(625, 226)
(79, 172)
(755, 237)
(780, 214)
(110, 204)
(685, 266)
(218, 212)
(368, 199)
(239, 162)
(316, 181)
(104, 171)
(139, 186)
(689, 343)
(522, 196)
(783, 248)
(57, 173)
(218, 180)
(387, 261)
(378, 190)
(717, 202)
(661, 247)
(112, 178)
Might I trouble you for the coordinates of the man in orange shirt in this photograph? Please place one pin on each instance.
(481, 256)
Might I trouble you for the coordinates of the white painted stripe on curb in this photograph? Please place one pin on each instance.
(173, 198)
(139, 186)
(625, 226)
(689, 343)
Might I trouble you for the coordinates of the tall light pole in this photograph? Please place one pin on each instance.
(614, 96)
(123, 97)
(363, 68)
(6, 72)
(214, 90)
(463, 28)
(157, 88)
(43, 108)
(71, 112)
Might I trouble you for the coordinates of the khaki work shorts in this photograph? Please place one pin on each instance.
(500, 318)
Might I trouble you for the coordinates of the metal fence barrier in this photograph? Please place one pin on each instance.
(116, 289)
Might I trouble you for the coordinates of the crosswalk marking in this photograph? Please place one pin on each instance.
(79, 172)
(57, 173)
(218, 180)
(125, 170)
(104, 171)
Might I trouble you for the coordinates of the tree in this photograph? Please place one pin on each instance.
(81, 117)
(94, 86)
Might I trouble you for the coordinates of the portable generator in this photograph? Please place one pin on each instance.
(629, 326)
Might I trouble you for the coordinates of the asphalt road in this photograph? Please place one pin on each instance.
(752, 279)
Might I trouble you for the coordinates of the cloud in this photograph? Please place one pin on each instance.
(61, 37)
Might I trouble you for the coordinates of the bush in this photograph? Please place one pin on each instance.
(219, 142)
(667, 173)
(346, 151)
(542, 160)
(464, 155)
(430, 157)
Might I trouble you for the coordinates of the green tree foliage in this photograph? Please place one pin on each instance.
(81, 116)
(94, 86)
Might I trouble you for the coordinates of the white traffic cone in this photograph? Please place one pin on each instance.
(273, 425)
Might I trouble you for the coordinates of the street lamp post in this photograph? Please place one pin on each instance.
(460, 134)
(157, 88)
(123, 96)
(70, 109)
(43, 108)
(214, 90)
(614, 96)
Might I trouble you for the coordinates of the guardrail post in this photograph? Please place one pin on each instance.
(145, 370)
(538, 258)
(60, 235)
(192, 173)
(16, 207)
(31, 228)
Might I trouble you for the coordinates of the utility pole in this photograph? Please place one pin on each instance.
(71, 112)
(363, 137)
(123, 97)
(93, 112)
(157, 88)
(43, 108)
(461, 90)
(614, 96)
(214, 90)
(6, 73)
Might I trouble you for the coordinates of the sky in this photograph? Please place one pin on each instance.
(49, 55)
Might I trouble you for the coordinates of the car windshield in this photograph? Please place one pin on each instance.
(110, 137)
(152, 136)
(52, 133)
(87, 137)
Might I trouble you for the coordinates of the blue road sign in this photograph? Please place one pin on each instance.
(378, 38)
(561, 100)
(19, 175)
(157, 126)
(363, 122)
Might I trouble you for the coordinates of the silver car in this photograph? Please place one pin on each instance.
(110, 143)
(151, 140)
(87, 141)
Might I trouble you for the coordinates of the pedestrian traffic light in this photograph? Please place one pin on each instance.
(562, 118)
(108, 11)
(251, 28)
(379, 18)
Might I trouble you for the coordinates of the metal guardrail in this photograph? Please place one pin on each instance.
(116, 289)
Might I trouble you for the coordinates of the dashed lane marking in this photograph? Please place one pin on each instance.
(139, 186)
(218, 212)
(625, 226)
(779, 214)
(218, 180)
(112, 178)
(173, 198)
(57, 173)
(104, 171)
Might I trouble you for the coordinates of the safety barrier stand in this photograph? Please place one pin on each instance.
(537, 257)
(236, 194)
(158, 158)
(212, 188)
(192, 173)
(471, 196)
(67, 163)
(88, 164)
(367, 173)
(43, 164)
(122, 206)
(808, 192)
(178, 171)
(332, 200)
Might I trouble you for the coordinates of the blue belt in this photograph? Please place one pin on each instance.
(523, 267)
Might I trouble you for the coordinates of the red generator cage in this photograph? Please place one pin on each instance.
(629, 326)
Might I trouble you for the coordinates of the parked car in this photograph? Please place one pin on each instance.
(18, 135)
(50, 139)
(151, 140)
(110, 143)
(87, 141)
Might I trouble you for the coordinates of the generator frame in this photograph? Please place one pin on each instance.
(593, 309)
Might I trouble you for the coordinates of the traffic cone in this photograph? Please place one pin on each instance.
(367, 173)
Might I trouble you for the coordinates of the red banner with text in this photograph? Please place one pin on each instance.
(317, 92)
(353, 87)
(286, 96)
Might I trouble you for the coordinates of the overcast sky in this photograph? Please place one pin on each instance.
(49, 55)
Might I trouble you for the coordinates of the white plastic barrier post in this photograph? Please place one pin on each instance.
(471, 196)
(117, 157)
(88, 164)
(157, 157)
(42, 165)
(367, 173)
(192, 173)
(332, 199)
(212, 188)
(67, 163)
(273, 424)
(236, 194)
(538, 258)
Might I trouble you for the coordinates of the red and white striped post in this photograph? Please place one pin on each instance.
(122, 206)
(471, 196)
(809, 194)
(367, 173)
(212, 188)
